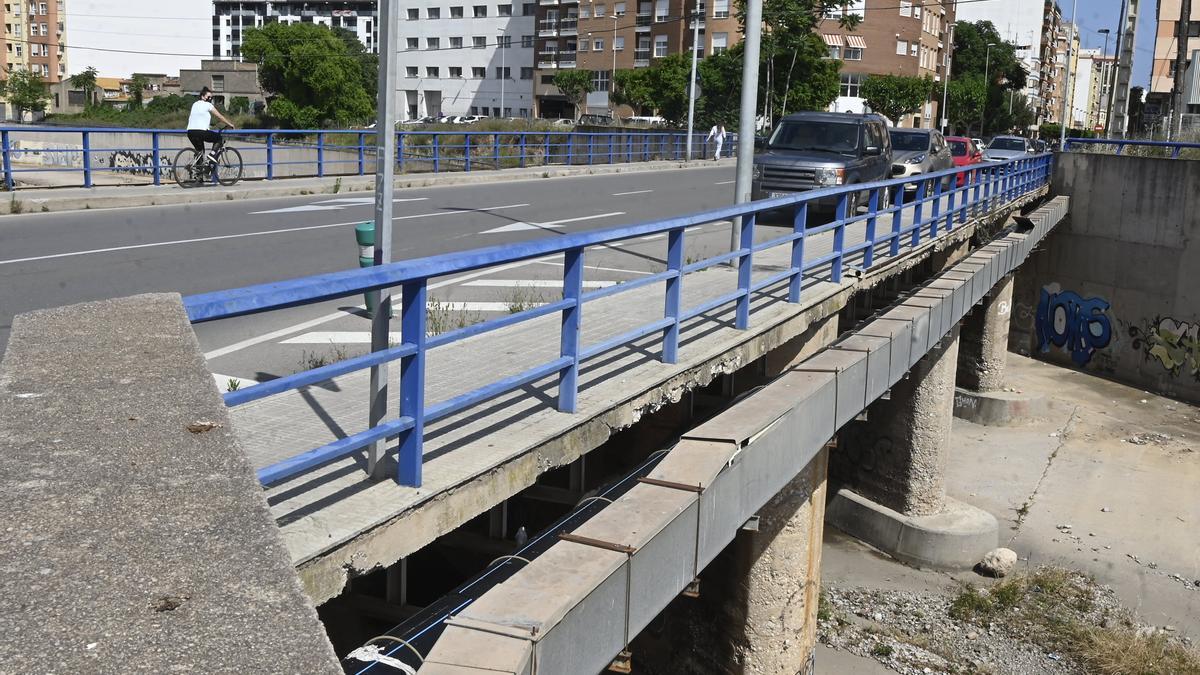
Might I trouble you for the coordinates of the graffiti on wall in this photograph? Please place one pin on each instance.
(1174, 344)
(140, 163)
(1068, 321)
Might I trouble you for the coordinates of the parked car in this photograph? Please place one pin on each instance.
(562, 122)
(965, 153)
(1004, 148)
(979, 143)
(812, 150)
(470, 119)
(919, 151)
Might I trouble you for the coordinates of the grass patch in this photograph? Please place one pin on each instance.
(522, 298)
(824, 611)
(320, 359)
(443, 317)
(882, 650)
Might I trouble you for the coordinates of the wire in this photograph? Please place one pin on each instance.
(396, 639)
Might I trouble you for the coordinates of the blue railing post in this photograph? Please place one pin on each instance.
(745, 268)
(628, 148)
(496, 147)
(6, 142)
(977, 186)
(897, 220)
(362, 153)
(545, 149)
(568, 377)
(270, 156)
(155, 158)
(436, 153)
(839, 237)
(523, 136)
(412, 383)
(674, 295)
(936, 211)
(400, 136)
(919, 201)
(570, 149)
(950, 201)
(610, 148)
(872, 217)
(320, 154)
(591, 138)
(87, 159)
(466, 152)
(799, 227)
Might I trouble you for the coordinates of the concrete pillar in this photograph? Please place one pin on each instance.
(984, 349)
(897, 458)
(757, 609)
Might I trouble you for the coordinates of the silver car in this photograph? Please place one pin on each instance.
(919, 151)
(1004, 148)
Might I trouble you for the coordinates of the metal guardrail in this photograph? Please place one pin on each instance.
(1103, 144)
(342, 152)
(985, 187)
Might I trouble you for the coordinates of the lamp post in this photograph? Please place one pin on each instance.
(946, 82)
(987, 62)
(1104, 83)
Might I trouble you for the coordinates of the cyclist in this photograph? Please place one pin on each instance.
(198, 130)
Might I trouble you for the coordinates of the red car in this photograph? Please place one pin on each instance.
(965, 153)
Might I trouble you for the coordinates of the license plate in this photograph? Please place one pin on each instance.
(773, 195)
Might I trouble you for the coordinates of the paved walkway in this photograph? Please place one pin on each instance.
(328, 506)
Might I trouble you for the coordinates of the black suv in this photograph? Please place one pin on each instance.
(812, 150)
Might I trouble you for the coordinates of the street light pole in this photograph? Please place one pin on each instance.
(987, 62)
(1104, 79)
(692, 86)
(946, 82)
(1062, 133)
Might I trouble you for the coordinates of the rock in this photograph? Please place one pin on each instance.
(1105, 509)
(877, 616)
(998, 562)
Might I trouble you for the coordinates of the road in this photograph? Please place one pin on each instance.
(54, 259)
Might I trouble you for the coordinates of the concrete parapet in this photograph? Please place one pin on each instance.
(138, 539)
(998, 408)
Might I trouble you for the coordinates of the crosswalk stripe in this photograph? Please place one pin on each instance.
(532, 283)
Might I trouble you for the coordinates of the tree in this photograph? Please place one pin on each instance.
(895, 96)
(368, 63)
(1004, 70)
(238, 105)
(634, 88)
(26, 91)
(965, 101)
(86, 81)
(137, 87)
(575, 85)
(311, 77)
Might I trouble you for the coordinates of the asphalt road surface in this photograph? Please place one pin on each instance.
(53, 259)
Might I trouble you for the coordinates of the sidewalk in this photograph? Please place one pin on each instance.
(34, 200)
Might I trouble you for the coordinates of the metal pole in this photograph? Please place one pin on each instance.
(987, 62)
(946, 83)
(385, 170)
(1062, 121)
(692, 86)
(1116, 65)
(1181, 54)
(503, 74)
(1104, 78)
(746, 123)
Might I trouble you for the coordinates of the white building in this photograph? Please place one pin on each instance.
(1081, 114)
(473, 58)
(1021, 23)
(231, 18)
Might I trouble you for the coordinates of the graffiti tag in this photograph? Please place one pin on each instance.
(1079, 325)
(131, 162)
(1174, 344)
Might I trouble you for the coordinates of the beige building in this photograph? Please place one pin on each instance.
(33, 40)
(226, 79)
(1166, 44)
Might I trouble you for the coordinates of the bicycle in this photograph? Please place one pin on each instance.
(189, 170)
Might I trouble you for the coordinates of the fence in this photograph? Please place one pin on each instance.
(938, 203)
(147, 155)
(1117, 146)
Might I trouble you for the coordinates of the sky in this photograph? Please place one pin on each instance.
(166, 28)
(1095, 15)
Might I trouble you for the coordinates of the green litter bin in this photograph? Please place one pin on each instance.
(364, 233)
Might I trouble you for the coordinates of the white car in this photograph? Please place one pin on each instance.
(470, 119)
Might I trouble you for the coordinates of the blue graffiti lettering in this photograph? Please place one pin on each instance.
(1066, 320)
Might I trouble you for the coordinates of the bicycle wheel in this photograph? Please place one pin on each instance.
(181, 168)
(229, 166)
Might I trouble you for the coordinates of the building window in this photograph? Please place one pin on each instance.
(585, 12)
(600, 9)
(218, 83)
(456, 43)
(411, 43)
(526, 73)
(503, 73)
(852, 54)
(583, 46)
(529, 9)
(414, 14)
(618, 9)
(410, 71)
(600, 80)
(720, 42)
(474, 110)
(857, 8)
(433, 13)
(912, 49)
(456, 12)
(598, 45)
(720, 9)
(504, 41)
(455, 71)
(527, 41)
(524, 112)
(478, 42)
(433, 43)
(850, 84)
(480, 11)
(547, 79)
(835, 52)
(618, 44)
(431, 71)
(504, 10)
(902, 47)
(660, 46)
(478, 73)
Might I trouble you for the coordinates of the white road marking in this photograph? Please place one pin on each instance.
(300, 209)
(338, 337)
(247, 234)
(333, 205)
(551, 225)
(593, 267)
(353, 201)
(726, 182)
(532, 283)
(635, 192)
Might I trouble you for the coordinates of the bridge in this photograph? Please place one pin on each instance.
(713, 389)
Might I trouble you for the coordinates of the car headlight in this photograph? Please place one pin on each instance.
(826, 177)
(917, 160)
(757, 172)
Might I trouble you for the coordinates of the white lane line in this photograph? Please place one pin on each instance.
(551, 225)
(532, 283)
(635, 192)
(246, 234)
(726, 182)
(333, 205)
(593, 267)
(355, 201)
(337, 337)
(299, 209)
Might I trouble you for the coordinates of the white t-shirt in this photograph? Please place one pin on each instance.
(201, 115)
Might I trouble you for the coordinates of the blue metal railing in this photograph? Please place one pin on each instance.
(279, 153)
(1169, 148)
(941, 201)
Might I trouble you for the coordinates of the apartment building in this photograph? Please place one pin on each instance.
(33, 38)
(898, 38)
(1166, 45)
(231, 18)
(467, 59)
(602, 36)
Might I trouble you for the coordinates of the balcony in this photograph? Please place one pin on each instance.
(546, 64)
(548, 3)
(548, 28)
(569, 26)
(567, 64)
(642, 23)
(570, 2)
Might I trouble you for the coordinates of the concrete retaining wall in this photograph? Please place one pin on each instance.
(1114, 290)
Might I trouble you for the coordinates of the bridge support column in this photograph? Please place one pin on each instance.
(891, 472)
(757, 609)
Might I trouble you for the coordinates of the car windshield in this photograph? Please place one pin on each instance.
(958, 148)
(834, 137)
(909, 142)
(1007, 144)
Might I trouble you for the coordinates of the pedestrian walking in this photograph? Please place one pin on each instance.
(717, 134)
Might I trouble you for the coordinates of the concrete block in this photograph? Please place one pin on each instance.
(955, 538)
(999, 408)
